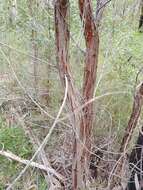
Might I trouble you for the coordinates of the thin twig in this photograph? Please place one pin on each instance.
(103, 6)
(91, 101)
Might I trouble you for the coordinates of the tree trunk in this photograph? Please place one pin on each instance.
(34, 48)
(90, 73)
(62, 45)
(137, 105)
(83, 143)
(136, 110)
(81, 121)
(136, 163)
(141, 18)
(13, 12)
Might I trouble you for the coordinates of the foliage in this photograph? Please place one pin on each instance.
(12, 139)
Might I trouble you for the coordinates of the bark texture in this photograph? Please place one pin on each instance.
(81, 121)
(83, 141)
(62, 45)
(90, 72)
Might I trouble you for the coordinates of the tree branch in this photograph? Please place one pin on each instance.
(12, 156)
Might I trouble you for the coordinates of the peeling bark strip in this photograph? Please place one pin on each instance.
(62, 36)
(91, 61)
(92, 47)
(62, 45)
(80, 168)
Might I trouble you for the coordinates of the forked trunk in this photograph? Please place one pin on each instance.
(81, 121)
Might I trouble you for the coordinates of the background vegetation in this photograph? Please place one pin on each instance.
(120, 59)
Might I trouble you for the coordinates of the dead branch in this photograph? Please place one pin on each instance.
(12, 156)
(42, 155)
(101, 4)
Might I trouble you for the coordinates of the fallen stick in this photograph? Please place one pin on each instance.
(12, 156)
